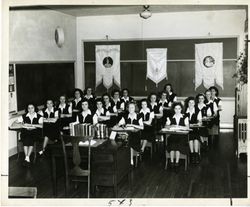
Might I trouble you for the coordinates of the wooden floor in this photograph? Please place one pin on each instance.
(219, 175)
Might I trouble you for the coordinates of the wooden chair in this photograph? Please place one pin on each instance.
(184, 157)
(76, 173)
(22, 192)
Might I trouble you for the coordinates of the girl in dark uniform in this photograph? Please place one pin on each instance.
(89, 95)
(132, 119)
(176, 144)
(86, 115)
(201, 111)
(110, 106)
(218, 102)
(77, 103)
(153, 105)
(65, 113)
(30, 134)
(50, 124)
(211, 112)
(171, 96)
(100, 112)
(147, 133)
(126, 99)
(193, 135)
(117, 101)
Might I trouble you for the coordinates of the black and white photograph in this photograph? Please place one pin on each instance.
(124, 104)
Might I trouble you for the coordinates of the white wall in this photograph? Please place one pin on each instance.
(32, 39)
(32, 36)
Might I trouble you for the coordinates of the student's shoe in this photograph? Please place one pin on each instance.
(192, 157)
(176, 165)
(171, 165)
(197, 158)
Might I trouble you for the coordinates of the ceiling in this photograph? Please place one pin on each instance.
(135, 9)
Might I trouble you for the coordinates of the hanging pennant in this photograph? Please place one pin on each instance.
(157, 64)
(108, 65)
(208, 64)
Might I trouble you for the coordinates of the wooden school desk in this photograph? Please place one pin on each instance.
(110, 163)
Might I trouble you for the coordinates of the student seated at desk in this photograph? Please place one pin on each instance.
(171, 96)
(153, 105)
(86, 115)
(50, 125)
(147, 118)
(64, 112)
(107, 104)
(132, 119)
(89, 95)
(201, 110)
(193, 135)
(30, 134)
(176, 144)
(101, 113)
(120, 106)
(126, 99)
(77, 103)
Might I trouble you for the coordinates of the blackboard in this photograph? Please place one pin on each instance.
(181, 55)
(37, 82)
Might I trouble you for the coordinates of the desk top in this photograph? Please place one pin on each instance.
(124, 129)
(175, 130)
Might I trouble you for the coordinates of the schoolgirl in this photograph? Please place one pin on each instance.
(50, 125)
(77, 103)
(193, 135)
(120, 106)
(100, 113)
(85, 116)
(64, 113)
(89, 95)
(132, 119)
(29, 133)
(126, 99)
(171, 96)
(147, 133)
(176, 144)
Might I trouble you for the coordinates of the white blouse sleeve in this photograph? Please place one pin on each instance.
(215, 107)
(56, 114)
(175, 99)
(121, 122)
(122, 105)
(140, 122)
(186, 121)
(95, 119)
(152, 115)
(168, 121)
(40, 120)
(41, 113)
(115, 109)
(70, 109)
(20, 119)
(107, 113)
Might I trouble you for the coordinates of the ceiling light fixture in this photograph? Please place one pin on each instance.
(146, 13)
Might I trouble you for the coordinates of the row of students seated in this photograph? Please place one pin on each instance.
(87, 109)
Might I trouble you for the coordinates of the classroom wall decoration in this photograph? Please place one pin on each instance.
(157, 64)
(180, 65)
(108, 65)
(208, 64)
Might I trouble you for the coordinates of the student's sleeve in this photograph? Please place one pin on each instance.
(56, 114)
(40, 120)
(40, 112)
(215, 107)
(152, 115)
(108, 113)
(20, 119)
(168, 121)
(122, 121)
(70, 109)
(161, 109)
(95, 119)
(122, 105)
(114, 109)
(140, 122)
(220, 104)
(77, 119)
(186, 121)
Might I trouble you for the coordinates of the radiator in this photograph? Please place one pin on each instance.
(242, 136)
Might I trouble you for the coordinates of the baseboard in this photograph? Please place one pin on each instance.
(226, 125)
(12, 151)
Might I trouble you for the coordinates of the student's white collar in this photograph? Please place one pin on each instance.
(86, 112)
(62, 106)
(170, 93)
(116, 100)
(88, 97)
(109, 104)
(125, 99)
(188, 110)
(201, 106)
(132, 117)
(52, 110)
(166, 101)
(153, 104)
(29, 115)
(77, 100)
(100, 111)
(144, 112)
(210, 101)
(178, 116)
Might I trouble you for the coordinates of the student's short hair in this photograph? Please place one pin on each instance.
(208, 90)
(187, 101)
(152, 94)
(79, 90)
(177, 104)
(85, 100)
(31, 103)
(115, 91)
(198, 95)
(216, 90)
(125, 89)
(168, 84)
(143, 100)
(99, 100)
(106, 94)
(163, 92)
(85, 90)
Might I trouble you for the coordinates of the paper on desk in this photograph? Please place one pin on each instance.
(112, 135)
(130, 128)
(86, 143)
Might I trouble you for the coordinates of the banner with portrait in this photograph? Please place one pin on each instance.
(108, 65)
(209, 64)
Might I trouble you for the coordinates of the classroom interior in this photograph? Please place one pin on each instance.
(45, 69)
